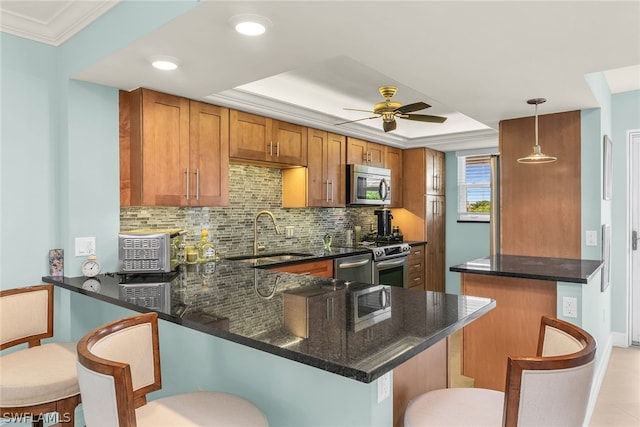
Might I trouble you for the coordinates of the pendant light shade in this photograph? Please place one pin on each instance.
(537, 156)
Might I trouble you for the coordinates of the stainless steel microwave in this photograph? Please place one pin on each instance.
(368, 185)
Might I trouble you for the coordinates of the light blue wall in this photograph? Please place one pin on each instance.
(464, 241)
(60, 180)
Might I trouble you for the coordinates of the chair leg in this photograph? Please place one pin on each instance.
(67, 410)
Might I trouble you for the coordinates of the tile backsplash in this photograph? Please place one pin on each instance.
(252, 189)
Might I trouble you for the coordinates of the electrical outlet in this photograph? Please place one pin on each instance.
(570, 307)
(384, 387)
(591, 238)
(85, 246)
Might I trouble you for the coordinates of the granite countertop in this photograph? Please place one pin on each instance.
(254, 306)
(531, 267)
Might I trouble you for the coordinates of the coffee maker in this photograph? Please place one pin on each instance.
(386, 233)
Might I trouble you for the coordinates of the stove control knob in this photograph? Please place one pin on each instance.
(406, 248)
(378, 252)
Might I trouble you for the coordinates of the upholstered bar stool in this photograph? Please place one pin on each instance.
(551, 389)
(40, 379)
(119, 363)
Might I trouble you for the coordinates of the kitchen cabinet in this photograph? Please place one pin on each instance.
(435, 172)
(361, 152)
(393, 161)
(319, 316)
(174, 151)
(262, 139)
(417, 259)
(423, 216)
(321, 268)
(323, 182)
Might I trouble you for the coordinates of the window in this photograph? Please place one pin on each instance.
(474, 188)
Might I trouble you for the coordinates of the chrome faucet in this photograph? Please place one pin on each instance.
(255, 229)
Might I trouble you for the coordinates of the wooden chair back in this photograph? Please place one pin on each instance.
(552, 388)
(118, 364)
(26, 315)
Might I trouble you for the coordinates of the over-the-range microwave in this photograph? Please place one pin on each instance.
(368, 185)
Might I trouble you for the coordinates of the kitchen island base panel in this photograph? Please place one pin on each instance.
(511, 329)
(425, 372)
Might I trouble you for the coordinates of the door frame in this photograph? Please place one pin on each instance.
(632, 290)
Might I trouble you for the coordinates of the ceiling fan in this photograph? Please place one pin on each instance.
(388, 110)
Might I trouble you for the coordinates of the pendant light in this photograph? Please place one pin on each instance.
(537, 156)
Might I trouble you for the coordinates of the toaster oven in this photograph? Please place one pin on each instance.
(148, 251)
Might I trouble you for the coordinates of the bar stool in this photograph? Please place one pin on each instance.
(40, 379)
(551, 389)
(119, 363)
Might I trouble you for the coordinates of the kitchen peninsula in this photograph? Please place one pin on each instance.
(524, 288)
(251, 307)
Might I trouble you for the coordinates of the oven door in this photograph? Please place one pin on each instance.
(393, 272)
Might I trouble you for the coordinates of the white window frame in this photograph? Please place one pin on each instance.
(463, 215)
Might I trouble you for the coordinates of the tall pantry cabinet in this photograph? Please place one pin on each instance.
(424, 200)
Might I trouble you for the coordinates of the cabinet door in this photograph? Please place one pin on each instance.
(209, 151)
(376, 154)
(435, 248)
(159, 148)
(356, 151)
(435, 172)
(393, 161)
(249, 136)
(336, 170)
(288, 144)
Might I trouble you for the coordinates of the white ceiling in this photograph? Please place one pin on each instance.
(476, 62)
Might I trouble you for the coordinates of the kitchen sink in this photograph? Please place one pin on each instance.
(270, 258)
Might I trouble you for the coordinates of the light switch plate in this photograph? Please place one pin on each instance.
(85, 246)
(591, 238)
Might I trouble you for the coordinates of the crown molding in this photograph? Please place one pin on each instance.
(62, 24)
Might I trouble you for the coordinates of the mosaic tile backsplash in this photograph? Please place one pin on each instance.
(252, 189)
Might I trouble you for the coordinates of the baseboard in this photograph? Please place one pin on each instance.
(620, 339)
(598, 377)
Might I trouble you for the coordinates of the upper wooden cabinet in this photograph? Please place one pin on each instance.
(261, 139)
(322, 183)
(175, 151)
(435, 172)
(393, 161)
(361, 152)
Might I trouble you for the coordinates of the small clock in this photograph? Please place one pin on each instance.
(91, 267)
(92, 284)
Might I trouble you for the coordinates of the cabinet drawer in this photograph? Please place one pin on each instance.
(416, 281)
(322, 268)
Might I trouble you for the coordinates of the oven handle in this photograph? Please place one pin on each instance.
(354, 264)
(392, 263)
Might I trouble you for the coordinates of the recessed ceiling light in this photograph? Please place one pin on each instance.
(165, 63)
(250, 24)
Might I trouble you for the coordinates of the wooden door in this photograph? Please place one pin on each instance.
(326, 171)
(412, 219)
(288, 144)
(435, 172)
(249, 136)
(160, 147)
(209, 150)
(393, 161)
(435, 243)
(375, 153)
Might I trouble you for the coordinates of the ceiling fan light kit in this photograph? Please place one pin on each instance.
(388, 110)
(537, 156)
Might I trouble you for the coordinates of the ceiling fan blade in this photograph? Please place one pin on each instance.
(357, 120)
(355, 109)
(389, 126)
(424, 118)
(412, 107)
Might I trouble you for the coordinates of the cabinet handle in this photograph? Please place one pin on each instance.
(417, 279)
(270, 148)
(197, 174)
(186, 174)
(278, 149)
(330, 199)
(369, 156)
(326, 191)
(416, 253)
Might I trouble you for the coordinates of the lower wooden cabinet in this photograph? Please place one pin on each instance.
(322, 268)
(416, 267)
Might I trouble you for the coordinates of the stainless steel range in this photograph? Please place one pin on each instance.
(391, 264)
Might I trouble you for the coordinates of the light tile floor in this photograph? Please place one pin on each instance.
(618, 402)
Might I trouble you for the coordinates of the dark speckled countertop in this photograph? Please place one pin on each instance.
(253, 306)
(530, 267)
